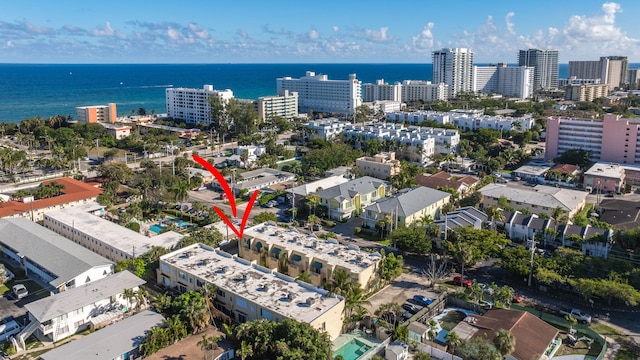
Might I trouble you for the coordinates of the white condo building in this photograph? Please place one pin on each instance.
(466, 120)
(285, 105)
(421, 141)
(381, 91)
(454, 67)
(422, 90)
(326, 129)
(319, 94)
(511, 81)
(192, 105)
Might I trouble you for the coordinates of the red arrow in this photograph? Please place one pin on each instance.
(230, 196)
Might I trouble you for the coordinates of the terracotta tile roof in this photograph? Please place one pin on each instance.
(444, 179)
(188, 348)
(565, 168)
(74, 190)
(532, 335)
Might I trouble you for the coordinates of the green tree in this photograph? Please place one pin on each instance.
(413, 238)
(505, 342)
(401, 333)
(265, 216)
(477, 348)
(391, 266)
(136, 266)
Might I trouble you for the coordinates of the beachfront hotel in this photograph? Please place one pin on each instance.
(192, 105)
(84, 225)
(319, 94)
(284, 105)
(292, 253)
(247, 291)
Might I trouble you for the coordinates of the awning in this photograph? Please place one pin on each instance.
(317, 265)
(276, 250)
(258, 245)
(296, 257)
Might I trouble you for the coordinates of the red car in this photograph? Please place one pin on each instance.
(517, 299)
(459, 280)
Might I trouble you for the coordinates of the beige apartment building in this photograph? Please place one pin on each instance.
(291, 253)
(382, 166)
(586, 92)
(247, 291)
(285, 105)
(97, 114)
(346, 200)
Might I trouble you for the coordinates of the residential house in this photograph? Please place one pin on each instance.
(522, 227)
(462, 184)
(349, 199)
(605, 178)
(301, 192)
(396, 350)
(539, 199)
(117, 131)
(49, 258)
(382, 166)
(624, 215)
(117, 341)
(85, 307)
(418, 332)
(533, 336)
(248, 291)
(259, 179)
(292, 253)
(534, 171)
(206, 176)
(563, 172)
(406, 207)
(461, 217)
(73, 193)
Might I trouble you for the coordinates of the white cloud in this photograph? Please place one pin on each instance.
(9, 44)
(107, 30)
(242, 33)
(313, 34)
(336, 28)
(378, 35)
(510, 25)
(424, 41)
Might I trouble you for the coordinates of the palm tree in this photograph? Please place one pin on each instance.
(245, 350)
(355, 300)
(340, 282)
(208, 343)
(304, 276)
(312, 220)
(475, 291)
(180, 191)
(495, 214)
(141, 297)
(176, 328)
(128, 294)
(453, 341)
(197, 315)
(505, 342)
(313, 200)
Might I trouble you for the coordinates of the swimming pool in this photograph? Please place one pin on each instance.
(352, 350)
(156, 228)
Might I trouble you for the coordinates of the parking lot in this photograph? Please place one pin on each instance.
(404, 287)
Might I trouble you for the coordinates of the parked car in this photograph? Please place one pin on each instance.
(20, 291)
(422, 300)
(517, 299)
(459, 280)
(317, 227)
(411, 308)
(486, 288)
(576, 314)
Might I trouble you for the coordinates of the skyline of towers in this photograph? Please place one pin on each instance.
(545, 62)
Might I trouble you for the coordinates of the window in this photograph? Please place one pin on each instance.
(220, 293)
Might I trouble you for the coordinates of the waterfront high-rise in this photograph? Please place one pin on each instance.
(192, 105)
(611, 70)
(545, 64)
(319, 94)
(453, 67)
(512, 81)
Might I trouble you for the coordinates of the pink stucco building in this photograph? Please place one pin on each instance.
(613, 139)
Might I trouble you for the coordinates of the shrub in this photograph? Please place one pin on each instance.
(133, 226)
(357, 230)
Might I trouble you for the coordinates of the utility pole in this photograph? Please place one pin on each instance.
(98, 147)
(173, 161)
(532, 247)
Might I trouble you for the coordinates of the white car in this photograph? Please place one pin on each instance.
(20, 291)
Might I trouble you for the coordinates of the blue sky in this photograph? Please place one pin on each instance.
(328, 31)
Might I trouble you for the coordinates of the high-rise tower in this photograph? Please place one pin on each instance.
(453, 67)
(545, 62)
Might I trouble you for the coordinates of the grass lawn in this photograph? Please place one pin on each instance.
(452, 319)
(580, 348)
(374, 238)
(3, 290)
(628, 350)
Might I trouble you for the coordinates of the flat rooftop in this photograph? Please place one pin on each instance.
(85, 218)
(277, 292)
(348, 257)
(607, 170)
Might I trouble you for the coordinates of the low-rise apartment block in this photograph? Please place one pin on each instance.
(346, 200)
(585, 92)
(118, 131)
(422, 90)
(291, 252)
(540, 199)
(467, 120)
(247, 291)
(73, 193)
(61, 315)
(85, 226)
(381, 166)
(97, 114)
(326, 129)
(406, 207)
(381, 91)
(48, 257)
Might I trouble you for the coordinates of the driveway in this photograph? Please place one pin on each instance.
(402, 288)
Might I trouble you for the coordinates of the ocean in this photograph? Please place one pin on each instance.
(29, 90)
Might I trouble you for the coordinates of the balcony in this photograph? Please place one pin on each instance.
(46, 329)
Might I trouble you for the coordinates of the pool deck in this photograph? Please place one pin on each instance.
(361, 336)
(441, 333)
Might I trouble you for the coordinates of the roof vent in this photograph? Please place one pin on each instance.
(310, 301)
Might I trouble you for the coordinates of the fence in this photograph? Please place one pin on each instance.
(437, 353)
